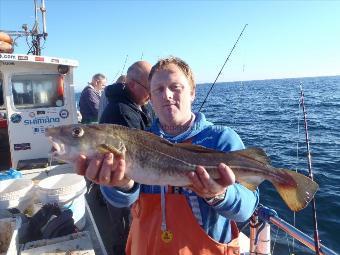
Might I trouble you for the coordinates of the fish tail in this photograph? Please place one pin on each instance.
(296, 189)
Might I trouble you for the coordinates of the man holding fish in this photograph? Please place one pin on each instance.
(180, 178)
(197, 219)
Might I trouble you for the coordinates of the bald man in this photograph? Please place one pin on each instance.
(128, 106)
(128, 102)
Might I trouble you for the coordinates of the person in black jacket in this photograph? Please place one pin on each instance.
(103, 102)
(128, 106)
(128, 102)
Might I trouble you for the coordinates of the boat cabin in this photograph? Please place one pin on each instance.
(35, 92)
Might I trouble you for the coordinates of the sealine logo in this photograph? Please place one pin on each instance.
(22, 57)
(38, 121)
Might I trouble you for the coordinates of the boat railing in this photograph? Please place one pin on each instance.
(267, 215)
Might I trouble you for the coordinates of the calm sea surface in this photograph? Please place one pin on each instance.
(266, 114)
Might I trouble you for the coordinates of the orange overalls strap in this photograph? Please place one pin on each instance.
(188, 237)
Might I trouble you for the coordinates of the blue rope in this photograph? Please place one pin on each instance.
(264, 213)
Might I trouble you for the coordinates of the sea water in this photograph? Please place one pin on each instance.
(266, 114)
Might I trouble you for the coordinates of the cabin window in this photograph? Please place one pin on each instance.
(36, 90)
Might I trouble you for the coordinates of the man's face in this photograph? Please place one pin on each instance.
(141, 91)
(100, 84)
(171, 96)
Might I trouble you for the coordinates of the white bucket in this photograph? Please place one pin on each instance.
(68, 191)
(16, 193)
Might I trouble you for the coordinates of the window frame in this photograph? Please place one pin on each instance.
(33, 79)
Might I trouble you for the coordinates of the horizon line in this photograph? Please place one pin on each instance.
(267, 79)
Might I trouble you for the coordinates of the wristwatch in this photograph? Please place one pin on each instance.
(214, 200)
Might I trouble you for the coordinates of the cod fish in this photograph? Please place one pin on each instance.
(155, 161)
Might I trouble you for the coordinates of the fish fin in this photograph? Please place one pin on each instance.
(296, 189)
(254, 153)
(195, 148)
(251, 184)
(104, 148)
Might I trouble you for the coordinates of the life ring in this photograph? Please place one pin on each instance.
(5, 47)
(6, 38)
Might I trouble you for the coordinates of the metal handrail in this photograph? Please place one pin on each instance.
(269, 215)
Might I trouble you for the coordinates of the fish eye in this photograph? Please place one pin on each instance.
(77, 132)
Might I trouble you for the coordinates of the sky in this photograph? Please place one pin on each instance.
(283, 39)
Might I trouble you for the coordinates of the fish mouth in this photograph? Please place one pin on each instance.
(57, 149)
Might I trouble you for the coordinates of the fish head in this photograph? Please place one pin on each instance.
(69, 141)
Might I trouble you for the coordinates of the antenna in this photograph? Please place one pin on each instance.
(35, 28)
(43, 17)
(35, 47)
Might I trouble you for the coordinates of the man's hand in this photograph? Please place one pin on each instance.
(104, 169)
(204, 186)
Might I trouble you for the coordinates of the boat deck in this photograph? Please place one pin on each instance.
(94, 212)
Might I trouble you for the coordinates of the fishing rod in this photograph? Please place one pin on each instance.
(124, 64)
(310, 170)
(225, 62)
(121, 72)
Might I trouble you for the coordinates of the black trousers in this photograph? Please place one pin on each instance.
(120, 220)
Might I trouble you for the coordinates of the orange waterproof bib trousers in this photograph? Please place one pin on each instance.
(185, 236)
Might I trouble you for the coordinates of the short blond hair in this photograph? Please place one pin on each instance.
(163, 63)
